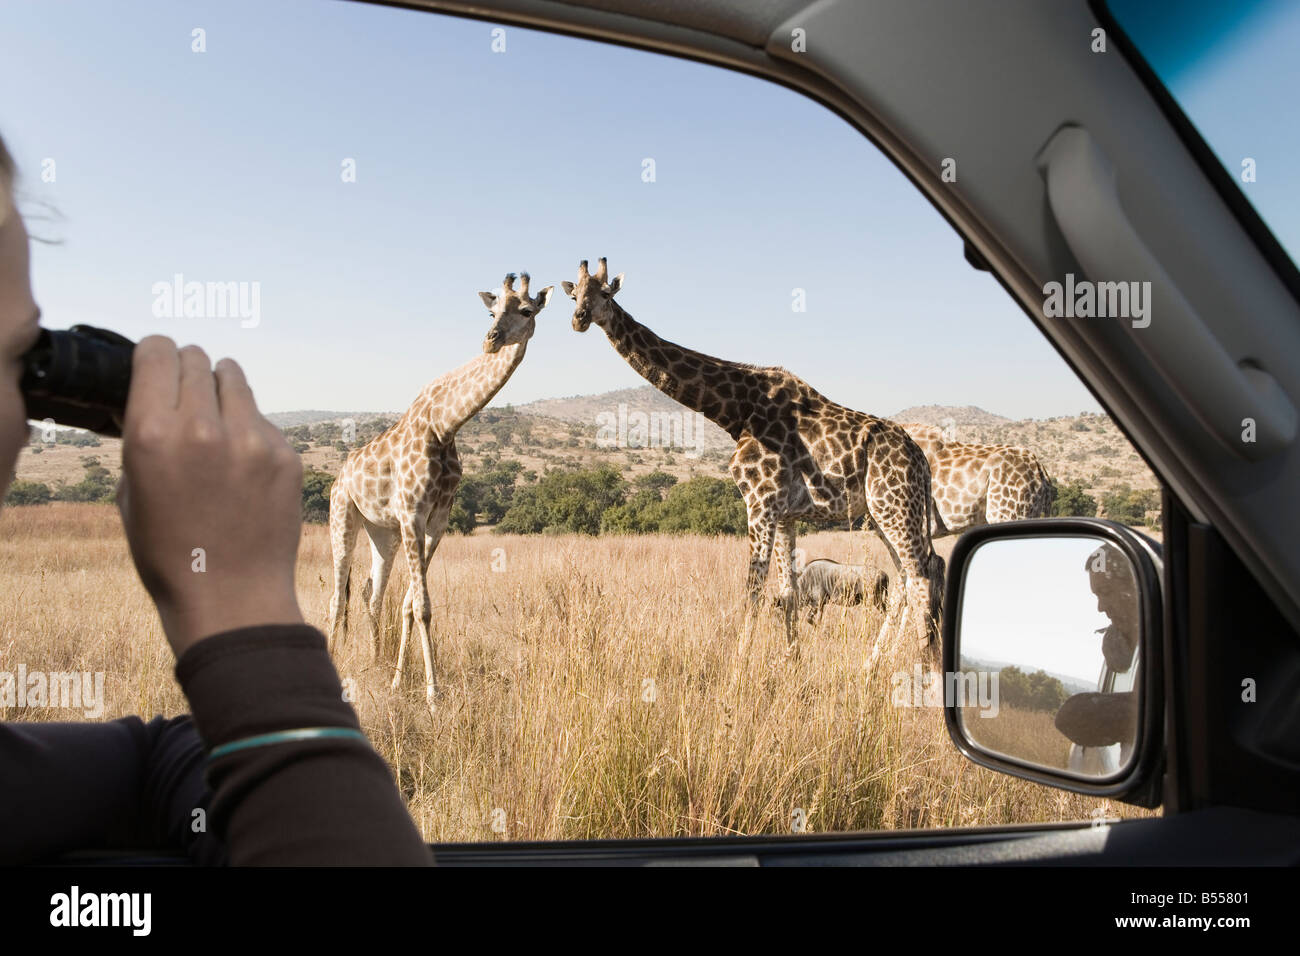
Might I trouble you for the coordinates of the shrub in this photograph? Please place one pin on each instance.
(1036, 691)
(572, 501)
(316, 487)
(96, 486)
(77, 439)
(1072, 501)
(701, 505)
(28, 493)
(488, 494)
(1129, 505)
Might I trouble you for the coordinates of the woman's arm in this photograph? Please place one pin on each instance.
(122, 784)
(127, 784)
(328, 800)
(210, 497)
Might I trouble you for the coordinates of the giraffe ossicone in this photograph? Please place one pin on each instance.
(798, 455)
(399, 487)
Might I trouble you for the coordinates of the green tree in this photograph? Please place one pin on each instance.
(1036, 691)
(28, 493)
(326, 433)
(485, 496)
(657, 481)
(76, 438)
(702, 505)
(1072, 501)
(459, 520)
(316, 487)
(565, 501)
(97, 485)
(1129, 505)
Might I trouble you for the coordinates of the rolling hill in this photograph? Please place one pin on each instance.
(639, 430)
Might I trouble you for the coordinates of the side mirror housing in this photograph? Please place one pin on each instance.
(1058, 623)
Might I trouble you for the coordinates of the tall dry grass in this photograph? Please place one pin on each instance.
(590, 688)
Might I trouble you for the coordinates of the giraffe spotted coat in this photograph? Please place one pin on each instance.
(982, 484)
(399, 487)
(798, 455)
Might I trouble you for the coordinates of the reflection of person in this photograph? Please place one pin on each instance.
(1111, 579)
(293, 779)
(1106, 718)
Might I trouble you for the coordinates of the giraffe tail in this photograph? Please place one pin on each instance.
(936, 570)
(1049, 492)
(347, 599)
(937, 522)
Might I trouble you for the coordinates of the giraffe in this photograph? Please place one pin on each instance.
(798, 455)
(399, 486)
(981, 484)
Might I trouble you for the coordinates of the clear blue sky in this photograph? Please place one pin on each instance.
(224, 166)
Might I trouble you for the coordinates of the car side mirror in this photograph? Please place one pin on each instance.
(1051, 646)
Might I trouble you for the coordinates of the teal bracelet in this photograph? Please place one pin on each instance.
(286, 736)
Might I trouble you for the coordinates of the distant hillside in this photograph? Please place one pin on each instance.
(311, 417)
(646, 400)
(1072, 684)
(639, 430)
(565, 433)
(944, 414)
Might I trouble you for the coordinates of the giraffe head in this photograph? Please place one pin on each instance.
(593, 295)
(514, 313)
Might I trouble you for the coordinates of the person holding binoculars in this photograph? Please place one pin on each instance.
(273, 755)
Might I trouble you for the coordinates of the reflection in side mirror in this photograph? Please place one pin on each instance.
(1055, 624)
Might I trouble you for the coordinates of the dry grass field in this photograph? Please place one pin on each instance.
(1030, 734)
(591, 687)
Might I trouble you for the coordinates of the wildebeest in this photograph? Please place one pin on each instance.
(823, 581)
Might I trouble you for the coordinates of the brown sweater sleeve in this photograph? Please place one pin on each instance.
(313, 802)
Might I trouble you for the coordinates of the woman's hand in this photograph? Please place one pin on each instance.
(210, 496)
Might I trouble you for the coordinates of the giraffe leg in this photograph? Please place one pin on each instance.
(893, 610)
(437, 525)
(407, 615)
(413, 546)
(762, 528)
(898, 497)
(785, 575)
(345, 522)
(892, 607)
(383, 542)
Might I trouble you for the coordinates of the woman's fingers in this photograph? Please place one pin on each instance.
(239, 406)
(233, 393)
(187, 473)
(155, 377)
(198, 388)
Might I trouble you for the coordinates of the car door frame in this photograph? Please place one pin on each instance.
(1200, 734)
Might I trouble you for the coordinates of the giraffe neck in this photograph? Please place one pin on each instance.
(459, 395)
(682, 374)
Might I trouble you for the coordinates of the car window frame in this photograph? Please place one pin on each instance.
(1242, 209)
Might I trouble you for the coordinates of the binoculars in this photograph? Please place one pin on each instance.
(79, 377)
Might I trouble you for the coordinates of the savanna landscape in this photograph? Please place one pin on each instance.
(594, 682)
